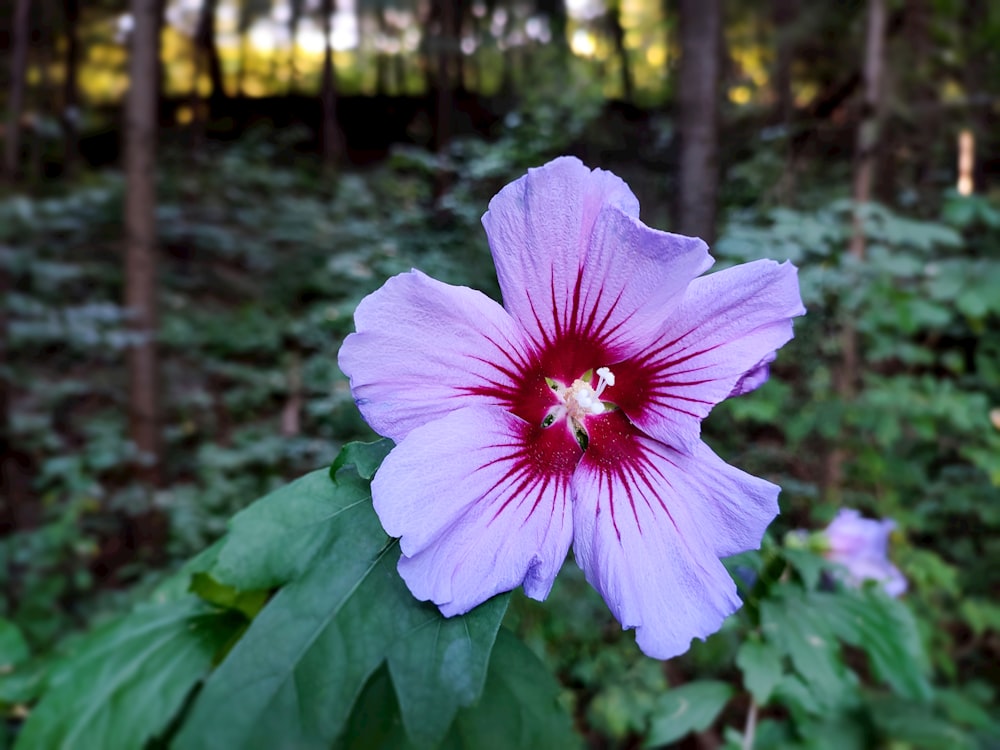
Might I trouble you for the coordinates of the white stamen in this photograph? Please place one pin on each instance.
(606, 379)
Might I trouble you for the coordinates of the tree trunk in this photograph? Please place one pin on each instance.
(328, 95)
(70, 103)
(15, 103)
(614, 23)
(783, 14)
(8, 509)
(295, 15)
(868, 135)
(847, 373)
(698, 117)
(209, 51)
(242, 69)
(443, 82)
(443, 23)
(140, 238)
(558, 18)
(382, 61)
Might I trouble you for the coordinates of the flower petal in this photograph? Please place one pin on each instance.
(718, 342)
(574, 260)
(422, 347)
(480, 501)
(649, 524)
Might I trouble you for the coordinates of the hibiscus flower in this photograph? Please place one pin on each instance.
(571, 414)
(861, 545)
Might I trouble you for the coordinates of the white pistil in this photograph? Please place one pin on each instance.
(606, 378)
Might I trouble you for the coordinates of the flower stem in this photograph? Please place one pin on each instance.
(750, 729)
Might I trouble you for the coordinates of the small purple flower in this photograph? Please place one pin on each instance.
(572, 413)
(862, 546)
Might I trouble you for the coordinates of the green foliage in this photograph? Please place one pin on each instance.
(689, 708)
(295, 621)
(761, 664)
(126, 681)
(263, 264)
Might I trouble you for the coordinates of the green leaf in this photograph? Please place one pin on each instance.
(127, 680)
(293, 677)
(796, 629)
(884, 628)
(916, 726)
(688, 708)
(13, 647)
(762, 668)
(519, 707)
(279, 537)
(365, 457)
(807, 564)
(248, 603)
(375, 723)
(441, 666)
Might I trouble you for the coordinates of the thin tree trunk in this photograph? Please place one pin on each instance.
(293, 34)
(783, 14)
(70, 103)
(399, 65)
(698, 117)
(614, 22)
(328, 95)
(847, 372)
(441, 23)
(382, 62)
(209, 51)
(140, 237)
(46, 92)
(15, 103)
(444, 80)
(558, 17)
(8, 509)
(868, 135)
(242, 69)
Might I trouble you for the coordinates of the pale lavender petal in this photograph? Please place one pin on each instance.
(849, 533)
(574, 261)
(480, 501)
(728, 326)
(862, 546)
(649, 523)
(755, 378)
(423, 348)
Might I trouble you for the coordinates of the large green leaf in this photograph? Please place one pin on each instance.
(279, 537)
(294, 676)
(688, 708)
(13, 646)
(884, 629)
(127, 680)
(795, 628)
(519, 707)
(440, 666)
(364, 457)
(375, 722)
(762, 668)
(292, 679)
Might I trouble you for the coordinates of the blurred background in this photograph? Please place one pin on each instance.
(196, 194)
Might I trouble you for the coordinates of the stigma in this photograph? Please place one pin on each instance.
(581, 400)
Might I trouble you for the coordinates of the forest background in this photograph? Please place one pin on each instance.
(197, 193)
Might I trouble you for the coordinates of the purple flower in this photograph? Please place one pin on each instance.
(862, 546)
(572, 414)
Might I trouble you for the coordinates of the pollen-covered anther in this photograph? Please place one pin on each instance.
(582, 400)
